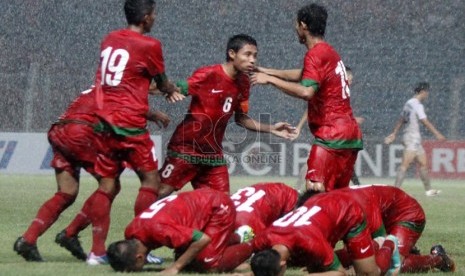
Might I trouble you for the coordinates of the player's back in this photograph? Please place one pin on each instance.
(330, 115)
(398, 206)
(412, 112)
(262, 203)
(128, 62)
(82, 108)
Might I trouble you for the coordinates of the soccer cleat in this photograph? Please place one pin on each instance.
(28, 251)
(414, 250)
(93, 259)
(72, 244)
(152, 259)
(395, 259)
(432, 192)
(447, 265)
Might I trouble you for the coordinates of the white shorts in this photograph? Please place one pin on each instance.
(413, 144)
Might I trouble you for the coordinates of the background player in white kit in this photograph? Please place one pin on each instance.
(413, 113)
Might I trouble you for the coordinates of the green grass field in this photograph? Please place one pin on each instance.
(22, 195)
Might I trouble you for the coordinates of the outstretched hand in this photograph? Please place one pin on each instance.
(284, 130)
(259, 78)
(175, 97)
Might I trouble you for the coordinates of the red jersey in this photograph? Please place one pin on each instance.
(82, 108)
(215, 97)
(330, 116)
(259, 205)
(387, 205)
(128, 62)
(311, 231)
(174, 220)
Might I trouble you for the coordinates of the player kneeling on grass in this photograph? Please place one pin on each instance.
(307, 236)
(258, 205)
(390, 210)
(200, 239)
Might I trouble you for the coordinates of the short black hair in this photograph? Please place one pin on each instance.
(266, 263)
(421, 86)
(304, 197)
(135, 10)
(122, 255)
(348, 69)
(314, 16)
(238, 41)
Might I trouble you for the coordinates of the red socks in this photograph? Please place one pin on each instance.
(419, 263)
(144, 199)
(98, 207)
(383, 255)
(47, 215)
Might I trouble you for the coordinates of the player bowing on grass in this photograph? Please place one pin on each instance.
(195, 151)
(259, 205)
(323, 84)
(307, 237)
(197, 224)
(390, 210)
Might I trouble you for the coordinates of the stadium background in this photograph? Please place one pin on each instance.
(50, 48)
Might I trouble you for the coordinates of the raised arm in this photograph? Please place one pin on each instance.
(291, 88)
(289, 74)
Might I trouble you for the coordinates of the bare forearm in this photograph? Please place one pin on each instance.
(294, 89)
(192, 251)
(431, 128)
(289, 74)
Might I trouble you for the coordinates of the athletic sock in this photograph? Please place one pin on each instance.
(234, 255)
(419, 263)
(99, 215)
(144, 199)
(383, 255)
(399, 178)
(425, 179)
(344, 257)
(82, 220)
(47, 215)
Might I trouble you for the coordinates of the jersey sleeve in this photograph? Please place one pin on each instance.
(172, 235)
(311, 76)
(420, 110)
(244, 85)
(197, 82)
(156, 64)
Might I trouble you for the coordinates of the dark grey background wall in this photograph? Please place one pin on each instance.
(50, 49)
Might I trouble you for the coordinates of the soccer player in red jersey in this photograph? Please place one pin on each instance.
(200, 239)
(323, 84)
(74, 144)
(258, 205)
(195, 151)
(390, 210)
(128, 64)
(307, 237)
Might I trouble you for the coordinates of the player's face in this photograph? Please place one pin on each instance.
(245, 59)
(149, 20)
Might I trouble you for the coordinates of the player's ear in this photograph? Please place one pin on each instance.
(231, 54)
(140, 260)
